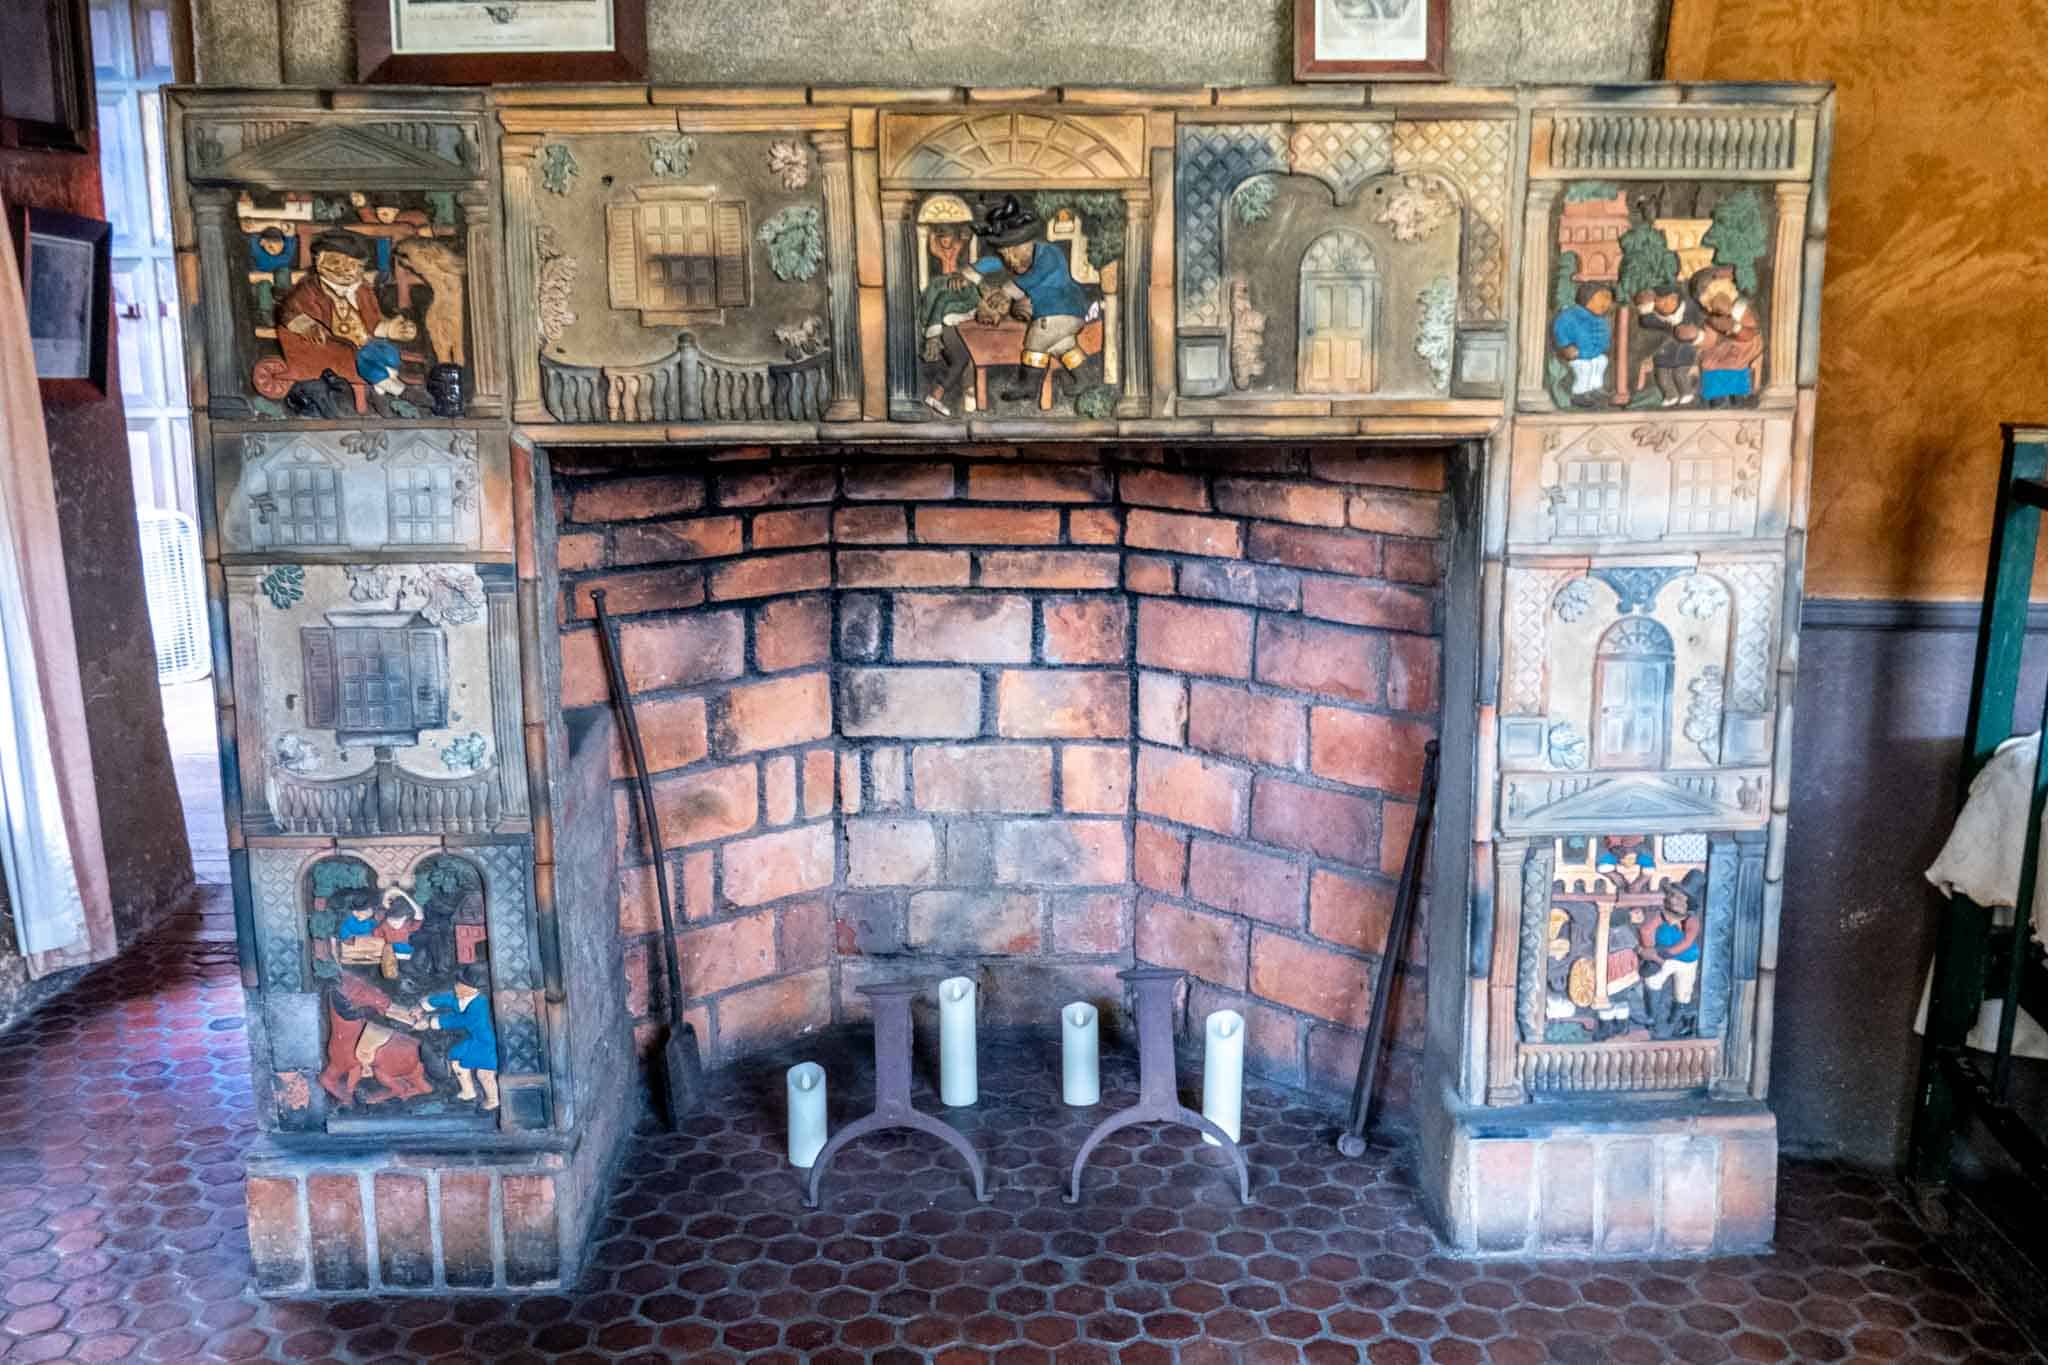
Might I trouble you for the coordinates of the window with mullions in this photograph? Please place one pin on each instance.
(1590, 497)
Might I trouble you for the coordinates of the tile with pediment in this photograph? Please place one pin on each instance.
(1638, 689)
(347, 259)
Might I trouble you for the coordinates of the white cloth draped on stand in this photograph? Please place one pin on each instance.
(1981, 860)
(49, 805)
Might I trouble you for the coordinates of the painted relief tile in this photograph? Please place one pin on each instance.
(376, 698)
(1657, 295)
(354, 302)
(1623, 940)
(1347, 258)
(331, 493)
(1652, 478)
(1016, 251)
(1636, 956)
(686, 277)
(402, 964)
(1016, 302)
(1638, 691)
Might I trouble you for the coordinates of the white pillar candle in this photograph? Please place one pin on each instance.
(958, 1082)
(1223, 1073)
(1080, 1076)
(806, 1113)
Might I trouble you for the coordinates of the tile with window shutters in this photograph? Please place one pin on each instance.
(687, 274)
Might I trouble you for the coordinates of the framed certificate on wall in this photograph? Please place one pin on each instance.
(482, 42)
(67, 283)
(1386, 40)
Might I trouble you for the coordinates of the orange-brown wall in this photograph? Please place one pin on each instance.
(1934, 319)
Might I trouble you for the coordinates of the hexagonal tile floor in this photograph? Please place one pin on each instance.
(124, 1108)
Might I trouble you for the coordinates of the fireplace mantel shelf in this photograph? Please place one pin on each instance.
(1508, 389)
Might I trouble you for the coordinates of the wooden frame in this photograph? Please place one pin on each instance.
(377, 62)
(1431, 66)
(70, 71)
(99, 238)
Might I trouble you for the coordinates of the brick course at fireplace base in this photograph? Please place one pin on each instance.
(1026, 713)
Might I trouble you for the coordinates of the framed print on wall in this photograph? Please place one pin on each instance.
(67, 282)
(46, 93)
(1386, 40)
(484, 42)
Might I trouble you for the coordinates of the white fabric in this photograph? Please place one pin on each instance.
(49, 808)
(1981, 860)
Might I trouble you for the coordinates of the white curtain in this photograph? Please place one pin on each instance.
(49, 806)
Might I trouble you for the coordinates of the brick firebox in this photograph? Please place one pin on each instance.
(1027, 712)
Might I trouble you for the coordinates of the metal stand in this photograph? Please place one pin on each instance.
(1158, 1086)
(891, 1000)
(1351, 1142)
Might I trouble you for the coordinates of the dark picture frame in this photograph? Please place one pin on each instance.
(46, 91)
(378, 60)
(67, 285)
(1318, 56)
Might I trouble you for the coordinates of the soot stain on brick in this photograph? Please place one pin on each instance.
(865, 695)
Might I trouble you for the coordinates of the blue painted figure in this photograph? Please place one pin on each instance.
(358, 909)
(1675, 946)
(1583, 333)
(474, 1060)
(1042, 289)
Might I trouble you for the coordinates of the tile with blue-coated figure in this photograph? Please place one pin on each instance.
(401, 959)
(1657, 293)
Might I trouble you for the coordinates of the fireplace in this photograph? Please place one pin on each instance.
(1045, 528)
(1022, 712)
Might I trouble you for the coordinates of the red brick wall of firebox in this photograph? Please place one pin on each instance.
(1026, 712)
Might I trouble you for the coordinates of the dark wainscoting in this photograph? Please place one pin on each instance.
(1883, 690)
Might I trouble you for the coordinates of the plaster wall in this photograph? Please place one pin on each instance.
(148, 861)
(1934, 278)
(970, 42)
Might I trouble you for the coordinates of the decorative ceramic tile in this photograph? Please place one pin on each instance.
(312, 494)
(1659, 295)
(692, 276)
(1655, 479)
(372, 699)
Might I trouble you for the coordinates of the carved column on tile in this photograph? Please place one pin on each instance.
(835, 161)
(1536, 268)
(1524, 875)
(502, 604)
(899, 279)
(522, 295)
(1788, 257)
(212, 211)
(486, 346)
(1134, 289)
(244, 599)
(1745, 861)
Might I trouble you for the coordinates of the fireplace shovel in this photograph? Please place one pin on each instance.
(682, 1073)
(1351, 1142)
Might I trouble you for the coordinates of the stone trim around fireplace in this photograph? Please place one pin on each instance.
(404, 302)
